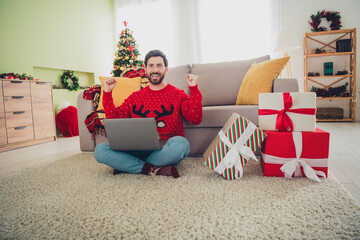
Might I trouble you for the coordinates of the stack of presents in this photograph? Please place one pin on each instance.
(291, 145)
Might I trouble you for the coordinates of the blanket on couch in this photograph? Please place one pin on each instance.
(93, 121)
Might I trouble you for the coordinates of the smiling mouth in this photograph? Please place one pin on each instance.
(155, 75)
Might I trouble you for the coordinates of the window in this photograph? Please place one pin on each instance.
(152, 27)
(199, 31)
(233, 29)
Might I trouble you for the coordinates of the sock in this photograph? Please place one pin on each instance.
(149, 169)
(115, 171)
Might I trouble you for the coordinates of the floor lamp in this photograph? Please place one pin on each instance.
(285, 41)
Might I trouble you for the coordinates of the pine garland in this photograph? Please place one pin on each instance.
(331, 92)
(16, 76)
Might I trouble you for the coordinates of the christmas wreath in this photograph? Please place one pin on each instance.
(331, 16)
(70, 81)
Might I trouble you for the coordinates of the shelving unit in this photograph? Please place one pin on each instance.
(327, 41)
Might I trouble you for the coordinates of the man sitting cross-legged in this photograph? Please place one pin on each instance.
(162, 101)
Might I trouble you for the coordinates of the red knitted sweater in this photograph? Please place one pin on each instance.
(168, 106)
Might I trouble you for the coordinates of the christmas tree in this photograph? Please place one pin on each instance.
(127, 55)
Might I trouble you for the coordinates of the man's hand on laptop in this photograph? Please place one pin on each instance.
(109, 84)
(192, 80)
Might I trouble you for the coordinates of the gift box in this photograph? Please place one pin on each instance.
(287, 111)
(295, 154)
(233, 147)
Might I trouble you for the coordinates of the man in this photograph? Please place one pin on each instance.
(162, 101)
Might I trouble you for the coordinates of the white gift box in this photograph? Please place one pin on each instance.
(293, 111)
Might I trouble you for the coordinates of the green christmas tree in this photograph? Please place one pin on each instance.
(127, 55)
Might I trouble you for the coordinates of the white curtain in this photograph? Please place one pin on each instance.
(200, 31)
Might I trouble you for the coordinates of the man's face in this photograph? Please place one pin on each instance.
(156, 70)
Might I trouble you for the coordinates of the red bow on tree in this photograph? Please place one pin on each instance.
(125, 23)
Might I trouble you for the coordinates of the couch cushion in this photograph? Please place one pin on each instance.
(219, 83)
(259, 79)
(176, 76)
(216, 116)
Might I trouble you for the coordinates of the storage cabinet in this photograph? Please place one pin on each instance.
(42, 106)
(329, 53)
(26, 113)
(3, 137)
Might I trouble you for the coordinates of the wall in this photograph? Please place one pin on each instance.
(43, 38)
(295, 14)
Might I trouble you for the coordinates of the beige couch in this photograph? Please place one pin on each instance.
(219, 84)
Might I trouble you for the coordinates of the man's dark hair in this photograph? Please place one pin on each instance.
(156, 53)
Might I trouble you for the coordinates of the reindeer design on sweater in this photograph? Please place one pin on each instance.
(169, 106)
(159, 123)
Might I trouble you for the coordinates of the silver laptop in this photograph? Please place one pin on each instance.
(132, 134)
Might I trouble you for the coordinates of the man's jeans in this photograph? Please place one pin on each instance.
(172, 152)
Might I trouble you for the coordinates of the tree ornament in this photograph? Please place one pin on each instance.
(331, 16)
(70, 81)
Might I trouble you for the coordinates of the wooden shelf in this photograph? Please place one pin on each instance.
(330, 32)
(335, 120)
(330, 54)
(331, 76)
(337, 98)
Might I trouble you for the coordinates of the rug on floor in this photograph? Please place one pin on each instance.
(76, 197)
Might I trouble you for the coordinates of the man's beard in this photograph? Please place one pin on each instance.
(157, 81)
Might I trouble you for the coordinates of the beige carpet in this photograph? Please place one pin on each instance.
(78, 198)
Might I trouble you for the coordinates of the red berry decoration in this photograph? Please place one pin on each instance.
(331, 16)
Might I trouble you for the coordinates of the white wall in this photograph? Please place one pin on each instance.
(295, 15)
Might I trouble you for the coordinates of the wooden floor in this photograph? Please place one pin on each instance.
(344, 160)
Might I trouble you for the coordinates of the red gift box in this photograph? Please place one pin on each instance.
(295, 154)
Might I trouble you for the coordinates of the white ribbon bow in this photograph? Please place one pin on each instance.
(289, 167)
(232, 158)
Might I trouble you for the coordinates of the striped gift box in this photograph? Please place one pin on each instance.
(237, 128)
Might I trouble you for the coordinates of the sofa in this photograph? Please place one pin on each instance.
(219, 84)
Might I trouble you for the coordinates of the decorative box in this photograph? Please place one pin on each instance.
(233, 147)
(288, 154)
(287, 111)
(330, 113)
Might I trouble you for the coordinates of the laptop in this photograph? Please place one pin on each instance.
(132, 134)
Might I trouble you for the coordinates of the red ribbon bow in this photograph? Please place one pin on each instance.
(283, 121)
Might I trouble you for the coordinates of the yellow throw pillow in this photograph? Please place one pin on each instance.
(123, 89)
(259, 79)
